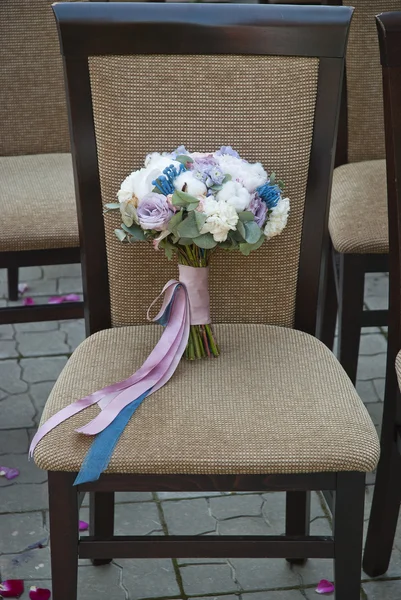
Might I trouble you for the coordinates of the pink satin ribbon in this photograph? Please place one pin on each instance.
(160, 365)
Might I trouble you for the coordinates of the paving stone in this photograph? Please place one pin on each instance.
(42, 287)
(376, 303)
(373, 344)
(276, 595)
(244, 526)
(43, 583)
(8, 349)
(367, 391)
(24, 497)
(148, 578)
(320, 526)
(42, 369)
(382, 590)
(18, 531)
(137, 519)
(376, 284)
(225, 597)
(16, 412)
(126, 497)
(30, 565)
(263, 574)
(208, 579)
(188, 517)
(30, 274)
(100, 583)
(226, 507)
(182, 495)
(39, 393)
(70, 285)
(379, 385)
(75, 331)
(310, 594)
(371, 367)
(29, 472)
(375, 409)
(314, 570)
(6, 332)
(14, 441)
(39, 344)
(56, 271)
(38, 326)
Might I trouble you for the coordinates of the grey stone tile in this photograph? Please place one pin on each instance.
(56, 271)
(275, 595)
(320, 526)
(367, 391)
(42, 287)
(30, 274)
(39, 393)
(314, 570)
(148, 578)
(188, 517)
(70, 285)
(75, 331)
(8, 349)
(126, 497)
(42, 583)
(371, 367)
(208, 579)
(379, 385)
(14, 441)
(16, 412)
(24, 497)
(382, 590)
(43, 343)
(376, 302)
(244, 526)
(226, 507)
(375, 410)
(376, 284)
(6, 332)
(372, 344)
(29, 472)
(100, 583)
(263, 574)
(30, 565)
(137, 519)
(225, 597)
(310, 594)
(274, 512)
(42, 369)
(18, 531)
(38, 326)
(10, 377)
(184, 495)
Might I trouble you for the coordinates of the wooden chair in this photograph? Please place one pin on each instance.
(276, 411)
(37, 200)
(387, 494)
(359, 243)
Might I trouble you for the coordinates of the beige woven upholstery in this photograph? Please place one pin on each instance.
(358, 221)
(39, 188)
(364, 81)
(154, 103)
(398, 368)
(275, 401)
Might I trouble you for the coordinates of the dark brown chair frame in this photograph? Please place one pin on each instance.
(387, 494)
(104, 28)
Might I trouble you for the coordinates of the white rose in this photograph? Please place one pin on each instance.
(193, 186)
(221, 218)
(126, 190)
(251, 175)
(235, 194)
(277, 219)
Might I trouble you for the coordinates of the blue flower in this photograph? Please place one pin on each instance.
(179, 151)
(165, 183)
(227, 150)
(270, 194)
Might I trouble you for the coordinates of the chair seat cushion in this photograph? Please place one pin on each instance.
(37, 203)
(358, 220)
(275, 401)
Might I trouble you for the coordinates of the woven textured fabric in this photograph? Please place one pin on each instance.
(33, 117)
(261, 106)
(39, 188)
(398, 368)
(358, 222)
(275, 401)
(364, 81)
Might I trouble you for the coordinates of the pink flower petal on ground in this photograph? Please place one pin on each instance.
(72, 298)
(324, 587)
(12, 588)
(36, 593)
(28, 301)
(83, 526)
(23, 287)
(56, 300)
(8, 473)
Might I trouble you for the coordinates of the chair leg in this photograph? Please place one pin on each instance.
(329, 306)
(297, 518)
(101, 519)
(12, 279)
(350, 308)
(348, 535)
(64, 516)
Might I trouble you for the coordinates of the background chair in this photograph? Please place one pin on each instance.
(278, 65)
(387, 494)
(37, 200)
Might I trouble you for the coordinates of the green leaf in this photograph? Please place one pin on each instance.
(232, 235)
(184, 159)
(112, 205)
(127, 220)
(185, 241)
(281, 184)
(122, 236)
(183, 199)
(227, 178)
(130, 210)
(216, 188)
(205, 241)
(246, 249)
(175, 220)
(235, 235)
(168, 248)
(192, 206)
(272, 178)
(200, 219)
(252, 231)
(188, 227)
(246, 215)
(241, 229)
(135, 231)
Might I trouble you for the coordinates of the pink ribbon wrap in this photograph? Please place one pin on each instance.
(196, 281)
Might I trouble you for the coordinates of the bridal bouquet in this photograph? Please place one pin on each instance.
(190, 204)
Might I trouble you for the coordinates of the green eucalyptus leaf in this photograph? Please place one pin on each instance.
(236, 236)
(184, 159)
(252, 232)
(246, 215)
(188, 227)
(130, 210)
(135, 231)
(246, 248)
(200, 219)
(281, 184)
(112, 205)
(175, 220)
(241, 229)
(216, 188)
(227, 245)
(272, 178)
(121, 235)
(183, 199)
(168, 248)
(185, 241)
(192, 206)
(227, 178)
(232, 235)
(127, 220)
(205, 241)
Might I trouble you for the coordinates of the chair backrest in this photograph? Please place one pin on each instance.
(365, 126)
(263, 79)
(33, 116)
(389, 29)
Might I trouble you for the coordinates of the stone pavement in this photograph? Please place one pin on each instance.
(31, 357)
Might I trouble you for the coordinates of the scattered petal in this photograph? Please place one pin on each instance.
(36, 593)
(12, 588)
(72, 298)
(56, 300)
(28, 301)
(324, 587)
(8, 473)
(23, 287)
(83, 526)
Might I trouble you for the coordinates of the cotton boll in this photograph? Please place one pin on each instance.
(126, 190)
(234, 194)
(188, 183)
(253, 175)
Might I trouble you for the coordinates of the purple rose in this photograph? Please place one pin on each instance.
(259, 209)
(154, 212)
